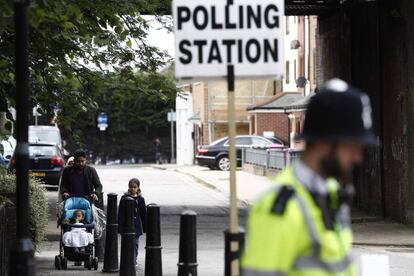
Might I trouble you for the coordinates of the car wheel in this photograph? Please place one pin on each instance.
(223, 163)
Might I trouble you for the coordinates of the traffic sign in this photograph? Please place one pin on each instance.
(102, 127)
(102, 121)
(171, 117)
(210, 35)
(102, 118)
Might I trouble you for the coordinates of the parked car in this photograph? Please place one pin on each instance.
(216, 155)
(46, 162)
(8, 147)
(47, 135)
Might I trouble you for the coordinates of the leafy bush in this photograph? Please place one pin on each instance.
(39, 211)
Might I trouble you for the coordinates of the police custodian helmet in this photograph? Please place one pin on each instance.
(339, 112)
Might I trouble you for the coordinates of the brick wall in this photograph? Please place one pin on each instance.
(221, 129)
(276, 122)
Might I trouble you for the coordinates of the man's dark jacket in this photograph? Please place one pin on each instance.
(92, 179)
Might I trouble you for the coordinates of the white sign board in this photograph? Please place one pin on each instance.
(171, 117)
(212, 34)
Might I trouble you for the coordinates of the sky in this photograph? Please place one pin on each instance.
(159, 36)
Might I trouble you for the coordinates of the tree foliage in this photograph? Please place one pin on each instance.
(91, 56)
(137, 109)
(71, 43)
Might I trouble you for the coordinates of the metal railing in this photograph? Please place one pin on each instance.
(3, 240)
(276, 159)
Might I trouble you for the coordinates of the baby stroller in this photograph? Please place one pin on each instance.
(67, 253)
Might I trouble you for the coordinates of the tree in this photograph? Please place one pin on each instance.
(137, 108)
(71, 43)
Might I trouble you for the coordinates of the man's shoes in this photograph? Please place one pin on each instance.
(78, 263)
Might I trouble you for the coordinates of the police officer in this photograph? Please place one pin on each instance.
(302, 225)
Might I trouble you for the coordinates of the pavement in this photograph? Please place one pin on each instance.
(174, 192)
(179, 188)
(368, 230)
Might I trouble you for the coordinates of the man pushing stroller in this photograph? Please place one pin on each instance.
(80, 179)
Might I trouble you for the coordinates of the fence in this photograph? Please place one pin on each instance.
(3, 240)
(270, 158)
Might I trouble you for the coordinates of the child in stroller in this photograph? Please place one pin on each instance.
(78, 238)
(77, 234)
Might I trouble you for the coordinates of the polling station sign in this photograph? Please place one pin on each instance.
(212, 34)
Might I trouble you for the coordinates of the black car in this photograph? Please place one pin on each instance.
(216, 155)
(46, 163)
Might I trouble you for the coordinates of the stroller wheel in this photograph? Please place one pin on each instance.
(95, 263)
(90, 262)
(58, 262)
(64, 263)
(86, 263)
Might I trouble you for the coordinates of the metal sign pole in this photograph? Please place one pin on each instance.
(172, 136)
(22, 254)
(234, 224)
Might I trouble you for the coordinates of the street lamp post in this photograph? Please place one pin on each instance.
(22, 254)
(171, 117)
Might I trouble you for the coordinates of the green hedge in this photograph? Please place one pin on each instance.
(39, 209)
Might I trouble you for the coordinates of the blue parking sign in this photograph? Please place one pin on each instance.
(102, 118)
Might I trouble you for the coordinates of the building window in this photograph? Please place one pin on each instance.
(298, 127)
(287, 25)
(294, 70)
(287, 73)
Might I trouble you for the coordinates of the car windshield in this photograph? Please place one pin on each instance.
(218, 141)
(42, 151)
(261, 141)
(275, 140)
(36, 136)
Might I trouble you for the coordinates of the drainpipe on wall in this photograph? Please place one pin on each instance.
(306, 33)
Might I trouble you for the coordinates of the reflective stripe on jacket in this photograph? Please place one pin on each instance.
(297, 242)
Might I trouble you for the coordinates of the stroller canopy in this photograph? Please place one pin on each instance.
(77, 203)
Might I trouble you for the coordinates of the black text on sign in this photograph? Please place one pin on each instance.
(211, 35)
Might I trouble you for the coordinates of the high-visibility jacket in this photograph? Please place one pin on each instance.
(294, 240)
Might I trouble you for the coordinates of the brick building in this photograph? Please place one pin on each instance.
(210, 106)
(271, 116)
(209, 98)
(283, 116)
(300, 53)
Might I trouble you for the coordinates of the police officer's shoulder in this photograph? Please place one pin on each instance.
(282, 198)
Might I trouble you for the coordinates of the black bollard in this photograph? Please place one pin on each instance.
(128, 239)
(187, 261)
(229, 255)
(111, 244)
(153, 261)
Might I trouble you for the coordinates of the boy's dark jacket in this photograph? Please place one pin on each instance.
(140, 215)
